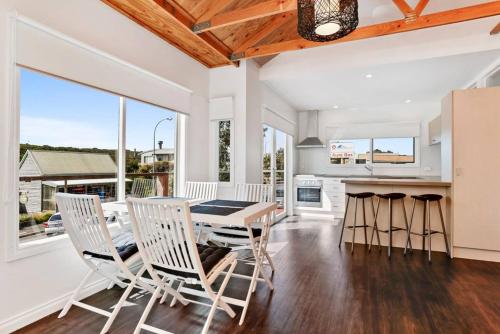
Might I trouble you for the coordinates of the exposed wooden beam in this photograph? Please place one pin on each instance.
(495, 30)
(419, 8)
(270, 26)
(170, 22)
(382, 29)
(403, 7)
(236, 16)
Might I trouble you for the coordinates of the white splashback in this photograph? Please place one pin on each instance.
(379, 122)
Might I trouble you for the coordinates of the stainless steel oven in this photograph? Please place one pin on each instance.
(308, 193)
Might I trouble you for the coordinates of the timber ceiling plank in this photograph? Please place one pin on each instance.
(270, 27)
(422, 22)
(168, 22)
(204, 10)
(232, 36)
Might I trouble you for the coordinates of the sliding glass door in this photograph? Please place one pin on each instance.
(274, 169)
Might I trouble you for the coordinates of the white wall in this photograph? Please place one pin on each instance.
(37, 285)
(250, 96)
(316, 160)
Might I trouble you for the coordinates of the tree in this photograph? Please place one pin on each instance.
(224, 151)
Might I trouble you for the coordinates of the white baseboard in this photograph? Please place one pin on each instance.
(38, 312)
(476, 254)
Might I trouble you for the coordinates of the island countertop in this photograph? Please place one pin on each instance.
(423, 182)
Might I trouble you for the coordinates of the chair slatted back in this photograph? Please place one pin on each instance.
(164, 234)
(143, 188)
(84, 221)
(254, 192)
(201, 190)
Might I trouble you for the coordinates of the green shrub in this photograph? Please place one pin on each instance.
(24, 218)
(41, 217)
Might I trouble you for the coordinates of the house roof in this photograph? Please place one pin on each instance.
(159, 151)
(71, 163)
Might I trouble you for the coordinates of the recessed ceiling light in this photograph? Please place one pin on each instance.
(408, 101)
(335, 107)
(369, 76)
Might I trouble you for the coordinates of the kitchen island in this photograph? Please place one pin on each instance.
(410, 186)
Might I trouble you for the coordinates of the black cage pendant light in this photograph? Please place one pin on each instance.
(326, 20)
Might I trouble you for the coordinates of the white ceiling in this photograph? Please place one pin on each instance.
(376, 11)
(422, 65)
(426, 80)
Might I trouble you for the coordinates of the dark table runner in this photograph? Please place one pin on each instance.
(232, 204)
(214, 210)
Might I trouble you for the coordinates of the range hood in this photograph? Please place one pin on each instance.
(312, 139)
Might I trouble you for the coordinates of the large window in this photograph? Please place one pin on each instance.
(224, 150)
(69, 140)
(394, 150)
(376, 151)
(350, 151)
(68, 134)
(274, 164)
(151, 143)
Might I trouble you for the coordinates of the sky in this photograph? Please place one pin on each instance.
(397, 145)
(57, 112)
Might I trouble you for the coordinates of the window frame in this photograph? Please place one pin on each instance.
(413, 163)
(14, 249)
(416, 152)
(215, 135)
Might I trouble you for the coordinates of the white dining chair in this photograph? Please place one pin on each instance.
(84, 221)
(201, 191)
(245, 236)
(143, 188)
(166, 241)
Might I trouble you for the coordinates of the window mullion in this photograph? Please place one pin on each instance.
(121, 157)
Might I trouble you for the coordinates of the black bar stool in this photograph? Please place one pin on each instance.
(362, 196)
(427, 232)
(391, 197)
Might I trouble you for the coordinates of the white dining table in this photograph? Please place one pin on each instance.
(247, 217)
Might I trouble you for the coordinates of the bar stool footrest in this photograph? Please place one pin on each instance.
(393, 229)
(426, 233)
(357, 226)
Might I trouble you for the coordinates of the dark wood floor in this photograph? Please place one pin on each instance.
(321, 289)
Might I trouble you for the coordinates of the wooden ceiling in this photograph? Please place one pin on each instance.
(221, 32)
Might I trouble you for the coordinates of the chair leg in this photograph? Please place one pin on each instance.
(165, 293)
(146, 312)
(122, 300)
(408, 237)
(174, 298)
(406, 219)
(343, 221)
(364, 221)
(198, 237)
(444, 230)
(423, 226)
(217, 300)
(375, 226)
(390, 229)
(375, 220)
(354, 224)
(429, 234)
(74, 295)
(270, 261)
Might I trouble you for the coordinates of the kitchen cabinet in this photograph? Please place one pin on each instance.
(470, 159)
(435, 131)
(334, 196)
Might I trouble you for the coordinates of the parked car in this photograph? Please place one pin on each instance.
(54, 225)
